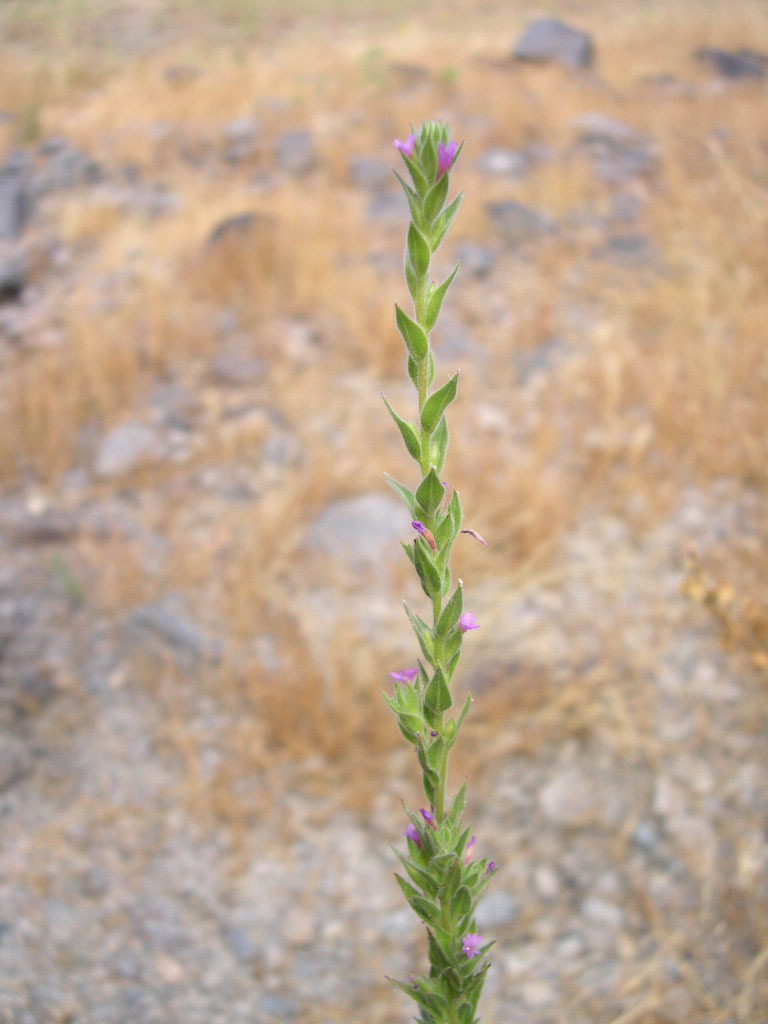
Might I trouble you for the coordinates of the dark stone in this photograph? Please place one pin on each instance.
(734, 64)
(13, 272)
(547, 39)
(65, 167)
(370, 172)
(295, 152)
(169, 623)
(15, 198)
(238, 225)
(618, 152)
(628, 250)
(519, 223)
(477, 260)
(49, 527)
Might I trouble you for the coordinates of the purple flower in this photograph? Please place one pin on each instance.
(429, 817)
(412, 833)
(404, 676)
(471, 944)
(491, 867)
(406, 148)
(468, 621)
(421, 529)
(446, 154)
(468, 850)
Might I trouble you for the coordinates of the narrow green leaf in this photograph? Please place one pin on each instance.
(461, 902)
(450, 614)
(443, 532)
(436, 404)
(435, 299)
(437, 696)
(418, 250)
(455, 510)
(410, 278)
(407, 497)
(410, 726)
(433, 202)
(423, 633)
(429, 158)
(431, 580)
(407, 432)
(452, 644)
(414, 204)
(420, 182)
(409, 990)
(438, 444)
(457, 805)
(435, 752)
(443, 222)
(430, 492)
(413, 335)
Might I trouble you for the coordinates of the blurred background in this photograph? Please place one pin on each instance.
(200, 586)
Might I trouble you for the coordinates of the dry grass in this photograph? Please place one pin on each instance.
(665, 388)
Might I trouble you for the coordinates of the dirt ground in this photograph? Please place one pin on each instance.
(200, 577)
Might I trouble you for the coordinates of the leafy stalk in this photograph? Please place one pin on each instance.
(444, 882)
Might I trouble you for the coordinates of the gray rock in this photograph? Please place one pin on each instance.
(236, 366)
(64, 167)
(546, 39)
(511, 163)
(497, 908)
(518, 223)
(477, 260)
(125, 448)
(573, 798)
(734, 64)
(51, 526)
(169, 623)
(294, 152)
(617, 150)
(15, 761)
(387, 207)
(355, 530)
(15, 198)
(633, 251)
(13, 272)
(370, 173)
(238, 226)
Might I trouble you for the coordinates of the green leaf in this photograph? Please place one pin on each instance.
(437, 696)
(443, 532)
(435, 298)
(418, 250)
(436, 404)
(461, 903)
(435, 752)
(431, 580)
(409, 990)
(407, 497)
(413, 335)
(407, 432)
(455, 510)
(450, 614)
(453, 662)
(452, 644)
(457, 805)
(443, 222)
(433, 202)
(429, 158)
(423, 634)
(438, 445)
(430, 492)
(414, 205)
(420, 182)
(410, 726)
(410, 278)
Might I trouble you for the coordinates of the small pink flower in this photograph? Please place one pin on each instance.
(490, 867)
(412, 833)
(429, 817)
(404, 676)
(471, 944)
(420, 528)
(468, 621)
(406, 148)
(476, 535)
(446, 154)
(469, 850)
